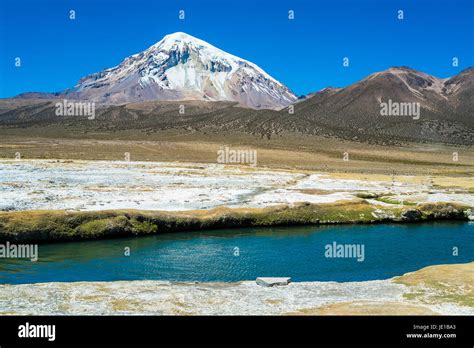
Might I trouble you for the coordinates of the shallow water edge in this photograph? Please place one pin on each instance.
(434, 290)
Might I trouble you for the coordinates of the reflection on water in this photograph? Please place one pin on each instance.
(233, 255)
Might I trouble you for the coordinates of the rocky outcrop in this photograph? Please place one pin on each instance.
(442, 211)
(272, 281)
(411, 215)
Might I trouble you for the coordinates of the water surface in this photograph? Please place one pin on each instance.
(244, 254)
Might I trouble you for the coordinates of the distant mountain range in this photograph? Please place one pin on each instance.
(446, 106)
(225, 93)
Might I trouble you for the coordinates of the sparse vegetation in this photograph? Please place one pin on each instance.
(441, 284)
(47, 226)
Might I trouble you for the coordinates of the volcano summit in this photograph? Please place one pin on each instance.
(182, 67)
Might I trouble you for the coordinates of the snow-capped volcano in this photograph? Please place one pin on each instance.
(182, 67)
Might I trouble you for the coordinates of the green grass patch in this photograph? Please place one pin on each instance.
(47, 226)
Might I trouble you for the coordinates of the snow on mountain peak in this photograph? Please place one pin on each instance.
(179, 39)
(181, 66)
(179, 35)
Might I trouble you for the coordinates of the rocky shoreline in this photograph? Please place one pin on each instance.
(52, 226)
(443, 289)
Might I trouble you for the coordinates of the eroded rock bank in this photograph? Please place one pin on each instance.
(48, 226)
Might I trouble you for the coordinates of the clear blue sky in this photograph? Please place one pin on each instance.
(305, 53)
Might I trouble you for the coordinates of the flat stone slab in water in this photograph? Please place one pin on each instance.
(272, 281)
